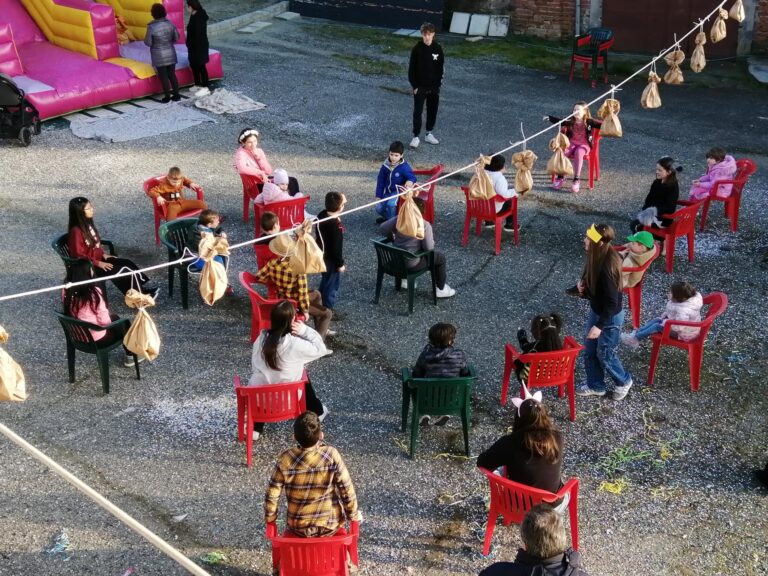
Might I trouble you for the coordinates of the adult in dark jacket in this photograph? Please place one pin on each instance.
(161, 37)
(425, 73)
(197, 45)
(662, 198)
(601, 284)
(545, 553)
(330, 236)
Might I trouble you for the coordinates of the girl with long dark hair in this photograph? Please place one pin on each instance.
(662, 197)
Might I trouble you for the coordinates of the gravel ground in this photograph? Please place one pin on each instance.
(165, 446)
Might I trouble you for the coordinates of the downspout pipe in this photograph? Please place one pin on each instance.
(577, 20)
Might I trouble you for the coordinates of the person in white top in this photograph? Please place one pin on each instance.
(281, 353)
(496, 172)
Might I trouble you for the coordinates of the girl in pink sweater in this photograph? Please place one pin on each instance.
(249, 158)
(720, 166)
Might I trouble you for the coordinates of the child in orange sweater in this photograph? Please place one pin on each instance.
(170, 192)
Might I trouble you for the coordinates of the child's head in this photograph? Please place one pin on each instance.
(715, 155)
(581, 111)
(209, 218)
(249, 138)
(442, 335)
(396, 150)
(270, 223)
(280, 178)
(545, 329)
(307, 429)
(427, 32)
(175, 176)
(335, 201)
(497, 163)
(682, 291)
(640, 242)
(157, 11)
(666, 171)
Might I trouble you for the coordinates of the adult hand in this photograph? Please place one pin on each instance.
(593, 333)
(160, 200)
(104, 265)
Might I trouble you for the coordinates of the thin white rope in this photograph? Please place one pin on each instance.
(118, 513)
(512, 145)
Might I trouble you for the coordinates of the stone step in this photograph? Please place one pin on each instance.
(245, 20)
(253, 28)
(288, 16)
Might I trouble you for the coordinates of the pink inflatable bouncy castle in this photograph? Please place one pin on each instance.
(65, 54)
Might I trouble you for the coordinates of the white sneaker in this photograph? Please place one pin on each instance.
(202, 92)
(430, 139)
(620, 392)
(445, 292)
(415, 142)
(129, 363)
(256, 435)
(630, 340)
(324, 414)
(330, 332)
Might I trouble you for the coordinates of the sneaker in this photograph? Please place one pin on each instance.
(619, 392)
(489, 224)
(153, 291)
(129, 363)
(557, 182)
(380, 220)
(325, 413)
(630, 340)
(430, 139)
(445, 292)
(425, 420)
(165, 99)
(204, 91)
(585, 390)
(509, 228)
(402, 284)
(330, 332)
(176, 97)
(575, 186)
(256, 435)
(442, 421)
(415, 142)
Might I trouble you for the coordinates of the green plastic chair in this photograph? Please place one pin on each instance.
(177, 235)
(78, 334)
(61, 247)
(392, 262)
(437, 396)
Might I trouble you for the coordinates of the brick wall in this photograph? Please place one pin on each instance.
(760, 35)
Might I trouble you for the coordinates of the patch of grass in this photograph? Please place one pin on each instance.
(369, 66)
(389, 43)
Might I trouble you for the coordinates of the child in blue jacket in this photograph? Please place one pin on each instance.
(393, 173)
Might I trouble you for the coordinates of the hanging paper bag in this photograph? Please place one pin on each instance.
(410, 221)
(523, 161)
(698, 59)
(13, 387)
(558, 164)
(213, 278)
(142, 338)
(481, 185)
(673, 59)
(718, 31)
(650, 97)
(611, 126)
(737, 11)
(307, 258)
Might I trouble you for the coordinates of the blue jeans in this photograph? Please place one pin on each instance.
(387, 209)
(329, 287)
(600, 354)
(655, 326)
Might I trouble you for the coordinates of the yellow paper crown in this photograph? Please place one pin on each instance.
(594, 235)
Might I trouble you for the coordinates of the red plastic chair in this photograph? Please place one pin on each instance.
(635, 293)
(591, 49)
(744, 169)
(263, 256)
(270, 403)
(290, 213)
(592, 158)
(547, 369)
(261, 308)
(683, 224)
(483, 210)
(427, 194)
(161, 214)
(717, 302)
(513, 501)
(324, 556)
(251, 189)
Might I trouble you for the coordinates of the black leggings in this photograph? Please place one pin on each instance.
(200, 74)
(123, 283)
(313, 405)
(440, 272)
(167, 75)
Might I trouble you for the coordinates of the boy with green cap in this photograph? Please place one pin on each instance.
(634, 254)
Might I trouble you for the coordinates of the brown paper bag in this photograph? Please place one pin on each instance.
(523, 161)
(737, 11)
(481, 185)
(558, 164)
(142, 338)
(650, 97)
(718, 31)
(13, 387)
(306, 258)
(611, 126)
(410, 221)
(673, 59)
(698, 59)
(213, 278)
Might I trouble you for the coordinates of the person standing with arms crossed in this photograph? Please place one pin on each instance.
(425, 73)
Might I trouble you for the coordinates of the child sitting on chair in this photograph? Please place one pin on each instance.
(440, 359)
(720, 166)
(546, 338)
(684, 304)
(170, 191)
(269, 224)
(635, 254)
(208, 223)
(279, 190)
(394, 173)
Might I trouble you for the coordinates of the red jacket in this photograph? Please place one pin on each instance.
(79, 248)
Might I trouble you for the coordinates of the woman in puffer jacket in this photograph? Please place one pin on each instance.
(684, 304)
(161, 37)
(720, 166)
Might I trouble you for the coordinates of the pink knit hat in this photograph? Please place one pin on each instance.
(280, 176)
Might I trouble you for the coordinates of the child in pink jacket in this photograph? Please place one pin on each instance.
(684, 304)
(720, 166)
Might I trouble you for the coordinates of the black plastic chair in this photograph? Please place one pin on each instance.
(177, 235)
(592, 49)
(78, 334)
(61, 248)
(392, 261)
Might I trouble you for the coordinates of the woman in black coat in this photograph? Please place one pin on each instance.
(662, 198)
(197, 45)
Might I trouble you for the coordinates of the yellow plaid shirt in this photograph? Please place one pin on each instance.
(318, 488)
(289, 285)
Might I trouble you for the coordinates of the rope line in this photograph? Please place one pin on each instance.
(523, 142)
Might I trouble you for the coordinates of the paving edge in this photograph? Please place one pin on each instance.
(230, 24)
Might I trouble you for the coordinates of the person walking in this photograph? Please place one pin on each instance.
(425, 73)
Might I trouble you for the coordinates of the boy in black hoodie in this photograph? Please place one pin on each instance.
(330, 237)
(425, 73)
